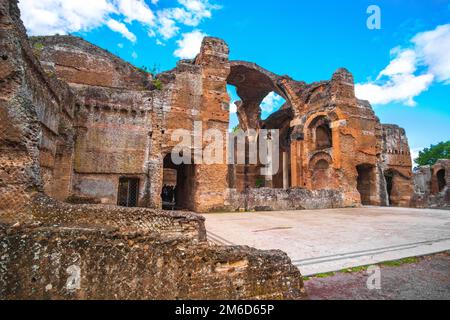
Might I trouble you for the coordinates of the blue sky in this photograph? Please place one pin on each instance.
(308, 40)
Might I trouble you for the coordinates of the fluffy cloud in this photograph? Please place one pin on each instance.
(189, 45)
(63, 16)
(433, 50)
(233, 107)
(46, 17)
(121, 28)
(271, 102)
(136, 10)
(411, 70)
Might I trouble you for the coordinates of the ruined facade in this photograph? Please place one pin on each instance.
(112, 144)
(432, 186)
(84, 134)
(74, 140)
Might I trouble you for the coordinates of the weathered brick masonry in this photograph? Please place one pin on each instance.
(79, 125)
(61, 141)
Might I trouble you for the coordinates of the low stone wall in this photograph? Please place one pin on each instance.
(76, 263)
(102, 252)
(268, 199)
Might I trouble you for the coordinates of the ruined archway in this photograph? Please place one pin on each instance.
(254, 85)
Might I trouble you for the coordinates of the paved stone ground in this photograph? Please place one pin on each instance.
(329, 240)
(428, 279)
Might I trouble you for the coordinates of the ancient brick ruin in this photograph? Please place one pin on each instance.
(432, 186)
(109, 134)
(83, 135)
(115, 117)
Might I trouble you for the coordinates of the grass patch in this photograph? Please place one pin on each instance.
(395, 263)
(400, 262)
(354, 269)
(324, 275)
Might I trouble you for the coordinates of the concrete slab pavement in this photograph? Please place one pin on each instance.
(321, 241)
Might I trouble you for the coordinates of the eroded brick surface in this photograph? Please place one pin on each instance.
(70, 125)
(79, 125)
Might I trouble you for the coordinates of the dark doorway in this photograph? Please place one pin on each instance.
(178, 185)
(389, 176)
(128, 192)
(441, 179)
(365, 183)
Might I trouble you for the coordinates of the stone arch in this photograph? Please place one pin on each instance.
(319, 132)
(253, 84)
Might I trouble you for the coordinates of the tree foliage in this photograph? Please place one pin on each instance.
(429, 156)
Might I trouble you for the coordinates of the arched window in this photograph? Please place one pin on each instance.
(323, 137)
(321, 165)
(441, 179)
(320, 131)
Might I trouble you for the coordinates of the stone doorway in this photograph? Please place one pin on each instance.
(178, 187)
(366, 183)
(441, 180)
(128, 193)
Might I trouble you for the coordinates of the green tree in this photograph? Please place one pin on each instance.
(429, 156)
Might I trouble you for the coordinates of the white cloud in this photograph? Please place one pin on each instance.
(271, 102)
(433, 49)
(167, 27)
(233, 107)
(411, 70)
(400, 88)
(136, 10)
(47, 17)
(134, 55)
(63, 16)
(117, 26)
(189, 45)
(404, 63)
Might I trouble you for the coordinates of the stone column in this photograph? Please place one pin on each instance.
(285, 171)
(269, 176)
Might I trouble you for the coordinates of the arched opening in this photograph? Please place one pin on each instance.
(323, 137)
(366, 183)
(257, 102)
(178, 185)
(441, 179)
(321, 133)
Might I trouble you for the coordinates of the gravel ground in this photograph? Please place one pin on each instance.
(426, 279)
